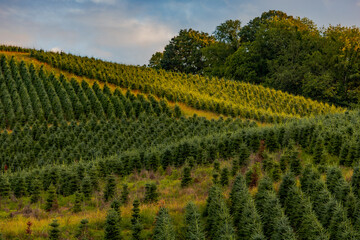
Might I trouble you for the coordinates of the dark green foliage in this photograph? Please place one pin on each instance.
(151, 194)
(136, 225)
(355, 181)
(82, 232)
(295, 166)
(78, 201)
(186, 178)
(35, 190)
(219, 221)
(340, 226)
(287, 183)
(234, 167)
(271, 141)
(54, 232)
(4, 187)
(244, 154)
(110, 188)
(164, 229)
(319, 152)
(86, 187)
(283, 230)
(194, 229)
(177, 111)
(249, 224)
(253, 175)
(224, 178)
(112, 226)
(124, 198)
(51, 199)
(276, 172)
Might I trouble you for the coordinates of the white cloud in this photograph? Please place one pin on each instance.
(55, 49)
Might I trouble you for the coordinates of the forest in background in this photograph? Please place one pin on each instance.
(276, 50)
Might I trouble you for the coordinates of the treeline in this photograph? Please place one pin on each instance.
(225, 97)
(276, 50)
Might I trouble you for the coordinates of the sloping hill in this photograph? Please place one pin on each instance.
(220, 96)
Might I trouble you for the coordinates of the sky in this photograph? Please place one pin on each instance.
(130, 31)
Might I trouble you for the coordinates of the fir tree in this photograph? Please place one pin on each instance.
(355, 181)
(235, 167)
(82, 232)
(35, 192)
(186, 179)
(124, 194)
(54, 233)
(224, 178)
(244, 154)
(276, 172)
(219, 221)
(116, 206)
(110, 188)
(194, 229)
(51, 200)
(136, 225)
(163, 229)
(112, 226)
(151, 194)
(86, 187)
(4, 187)
(77, 204)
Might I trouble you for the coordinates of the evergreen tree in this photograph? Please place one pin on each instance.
(271, 141)
(54, 233)
(235, 167)
(124, 194)
(51, 200)
(136, 225)
(163, 229)
(295, 165)
(224, 179)
(77, 204)
(112, 227)
(151, 194)
(82, 232)
(116, 206)
(276, 172)
(319, 152)
(86, 187)
(355, 181)
(186, 179)
(194, 229)
(4, 187)
(35, 191)
(244, 154)
(287, 183)
(219, 221)
(110, 188)
(282, 229)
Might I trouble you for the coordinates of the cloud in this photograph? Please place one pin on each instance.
(55, 49)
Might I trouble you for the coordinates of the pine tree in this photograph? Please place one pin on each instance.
(276, 172)
(110, 188)
(244, 154)
(136, 225)
(186, 179)
(77, 204)
(319, 151)
(51, 200)
(112, 227)
(219, 221)
(82, 232)
(4, 187)
(194, 229)
(35, 191)
(235, 167)
(287, 183)
(116, 206)
(283, 230)
(86, 187)
(224, 178)
(151, 194)
(271, 141)
(124, 194)
(54, 233)
(295, 165)
(355, 181)
(163, 229)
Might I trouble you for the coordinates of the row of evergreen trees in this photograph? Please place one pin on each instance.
(316, 209)
(218, 95)
(27, 94)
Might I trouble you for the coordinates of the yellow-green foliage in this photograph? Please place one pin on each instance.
(222, 96)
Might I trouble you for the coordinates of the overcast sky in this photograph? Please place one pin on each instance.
(130, 31)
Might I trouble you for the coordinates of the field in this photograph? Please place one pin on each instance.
(149, 154)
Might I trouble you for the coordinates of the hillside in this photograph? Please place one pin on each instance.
(220, 96)
(83, 139)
